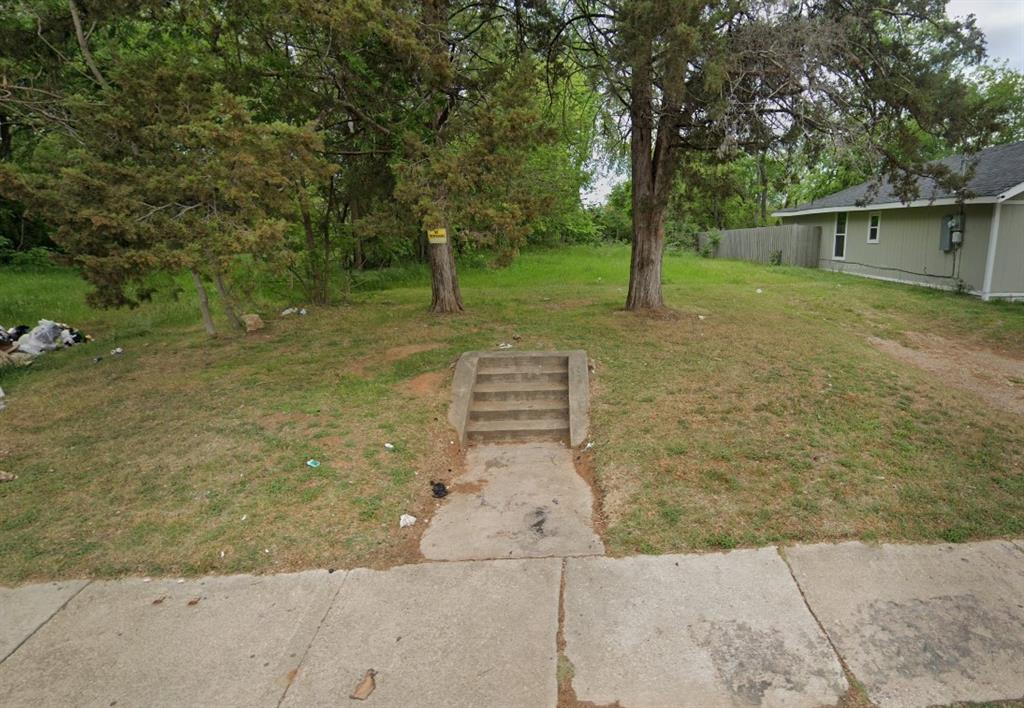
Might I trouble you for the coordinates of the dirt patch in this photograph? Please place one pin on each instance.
(425, 506)
(396, 353)
(584, 463)
(997, 379)
(661, 314)
(426, 384)
(361, 366)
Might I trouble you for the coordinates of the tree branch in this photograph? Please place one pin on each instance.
(84, 46)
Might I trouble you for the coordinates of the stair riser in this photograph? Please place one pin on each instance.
(523, 414)
(526, 362)
(559, 435)
(526, 395)
(522, 377)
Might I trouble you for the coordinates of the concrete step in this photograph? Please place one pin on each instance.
(519, 410)
(487, 363)
(521, 391)
(495, 430)
(526, 375)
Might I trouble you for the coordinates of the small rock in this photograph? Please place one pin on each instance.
(253, 322)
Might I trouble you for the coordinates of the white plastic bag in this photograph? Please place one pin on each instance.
(43, 338)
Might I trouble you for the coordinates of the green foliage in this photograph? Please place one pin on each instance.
(614, 218)
(167, 172)
(710, 247)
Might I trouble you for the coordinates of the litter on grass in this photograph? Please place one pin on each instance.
(21, 344)
(252, 322)
(389, 446)
(406, 520)
(7, 476)
(438, 490)
(3, 396)
(313, 463)
(504, 345)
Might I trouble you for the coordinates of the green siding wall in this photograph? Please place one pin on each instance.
(908, 245)
(1008, 273)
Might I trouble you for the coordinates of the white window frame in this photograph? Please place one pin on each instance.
(878, 228)
(836, 233)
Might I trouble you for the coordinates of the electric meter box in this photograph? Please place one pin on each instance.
(952, 233)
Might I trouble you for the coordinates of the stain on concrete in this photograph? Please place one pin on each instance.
(937, 635)
(494, 463)
(921, 625)
(536, 520)
(529, 503)
(751, 661)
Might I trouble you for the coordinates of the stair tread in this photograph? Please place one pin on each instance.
(543, 404)
(498, 386)
(544, 424)
(525, 369)
(499, 362)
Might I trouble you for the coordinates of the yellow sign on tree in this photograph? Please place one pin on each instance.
(437, 235)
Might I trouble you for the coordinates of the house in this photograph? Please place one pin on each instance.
(931, 241)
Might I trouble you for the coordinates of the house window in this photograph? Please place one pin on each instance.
(839, 242)
(874, 226)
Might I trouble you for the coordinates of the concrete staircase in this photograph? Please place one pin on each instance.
(519, 398)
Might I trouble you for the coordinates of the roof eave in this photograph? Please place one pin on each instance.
(1011, 192)
(899, 205)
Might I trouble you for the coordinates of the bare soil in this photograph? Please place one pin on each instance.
(996, 378)
(425, 384)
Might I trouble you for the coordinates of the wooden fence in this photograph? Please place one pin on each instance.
(790, 244)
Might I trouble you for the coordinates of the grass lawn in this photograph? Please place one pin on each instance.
(773, 419)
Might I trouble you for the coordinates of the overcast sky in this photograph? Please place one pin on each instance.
(1002, 21)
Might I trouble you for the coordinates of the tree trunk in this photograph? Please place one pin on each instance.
(645, 266)
(225, 301)
(648, 206)
(316, 276)
(325, 233)
(204, 304)
(762, 181)
(6, 145)
(444, 283)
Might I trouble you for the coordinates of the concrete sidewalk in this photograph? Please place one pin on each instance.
(914, 625)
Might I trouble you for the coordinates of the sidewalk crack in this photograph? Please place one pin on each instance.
(45, 621)
(302, 659)
(856, 696)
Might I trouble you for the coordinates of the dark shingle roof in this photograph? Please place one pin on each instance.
(998, 168)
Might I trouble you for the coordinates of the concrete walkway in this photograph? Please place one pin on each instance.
(914, 625)
(515, 501)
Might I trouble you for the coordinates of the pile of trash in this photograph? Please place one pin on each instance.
(21, 344)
